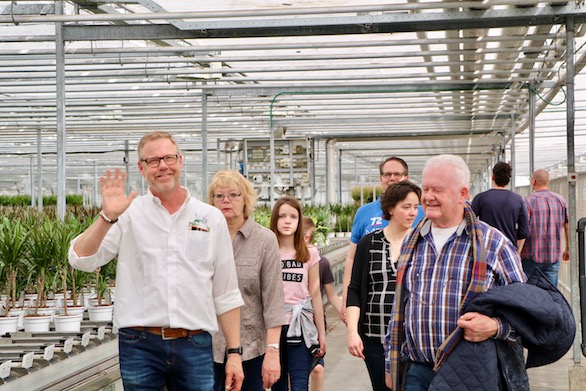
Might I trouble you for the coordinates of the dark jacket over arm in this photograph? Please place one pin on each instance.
(543, 320)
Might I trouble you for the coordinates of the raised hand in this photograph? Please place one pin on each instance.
(114, 199)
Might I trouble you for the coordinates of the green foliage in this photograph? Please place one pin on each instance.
(34, 248)
(262, 215)
(367, 194)
(332, 217)
(13, 247)
(25, 200)
(322, 220)
(41, 255)
(103, 278)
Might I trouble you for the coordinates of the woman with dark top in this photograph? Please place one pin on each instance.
(372, 285)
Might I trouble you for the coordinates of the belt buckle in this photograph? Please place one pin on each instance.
(164, 337)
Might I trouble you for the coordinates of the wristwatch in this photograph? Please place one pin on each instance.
(237, 350)
(273, 346)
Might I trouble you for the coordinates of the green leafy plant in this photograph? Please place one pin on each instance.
(41, 253)
(13, 249)
(322, 219)
(336, 211)
(63, 233)
(348, 212)
(367, 193)
(262, 215)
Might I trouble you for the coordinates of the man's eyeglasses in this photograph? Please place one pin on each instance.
(231, 196)
(155, 161)
(389, 175)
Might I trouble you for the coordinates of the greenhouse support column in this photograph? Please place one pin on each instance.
(312, 159)
(340, 176)
(570, 118)
(204, 144)
(531, 130)
(331, 171)
(96, 185)
(513, 162)
(271, 166)
(32, 180)
(60, 110)
(39, 171)
(127, 165)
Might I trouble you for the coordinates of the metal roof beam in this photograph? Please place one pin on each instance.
(339, 25)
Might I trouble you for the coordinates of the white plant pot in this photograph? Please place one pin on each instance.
(101, 313)
(78, 311)
(67, 324)
(330, 235)
(20, 312)
(37, 324)
(30, 296)
(339, 234)
(70, 303)
(49, 311)
(8, 324)
(53, 303)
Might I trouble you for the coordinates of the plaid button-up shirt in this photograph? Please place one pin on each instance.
(547, 213)
(435, 285)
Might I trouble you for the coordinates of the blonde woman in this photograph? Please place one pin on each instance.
(256, 254)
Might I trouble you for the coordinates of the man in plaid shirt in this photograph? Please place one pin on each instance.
(548, 214)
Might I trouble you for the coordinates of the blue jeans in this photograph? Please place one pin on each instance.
(418, 377)
(147, 362)
(549, 269)
(252, 375)
(374, 354)
(295, 365)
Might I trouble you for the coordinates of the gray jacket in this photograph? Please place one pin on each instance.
(302, 326)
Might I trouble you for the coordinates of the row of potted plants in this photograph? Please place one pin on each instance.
(34, 267)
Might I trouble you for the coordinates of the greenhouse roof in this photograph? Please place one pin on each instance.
(406, 78)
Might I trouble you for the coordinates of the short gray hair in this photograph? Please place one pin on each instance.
(461, 170)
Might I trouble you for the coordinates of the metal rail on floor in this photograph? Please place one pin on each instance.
(92, 363)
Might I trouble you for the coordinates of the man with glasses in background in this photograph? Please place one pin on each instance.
(175, 275)
(369, 217)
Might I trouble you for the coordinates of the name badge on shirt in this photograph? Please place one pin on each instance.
(198, 225)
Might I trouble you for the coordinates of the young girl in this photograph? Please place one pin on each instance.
(304, 332)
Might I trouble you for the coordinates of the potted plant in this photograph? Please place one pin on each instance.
(13, 239)
(336, 211)
(41, 247)
(348, 212)
(63, 232)
(102, 312)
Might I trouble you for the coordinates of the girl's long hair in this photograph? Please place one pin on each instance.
(301, 250)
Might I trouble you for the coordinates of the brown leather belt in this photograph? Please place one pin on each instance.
(168, 332)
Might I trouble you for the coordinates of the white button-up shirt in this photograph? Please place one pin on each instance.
(173, 270)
